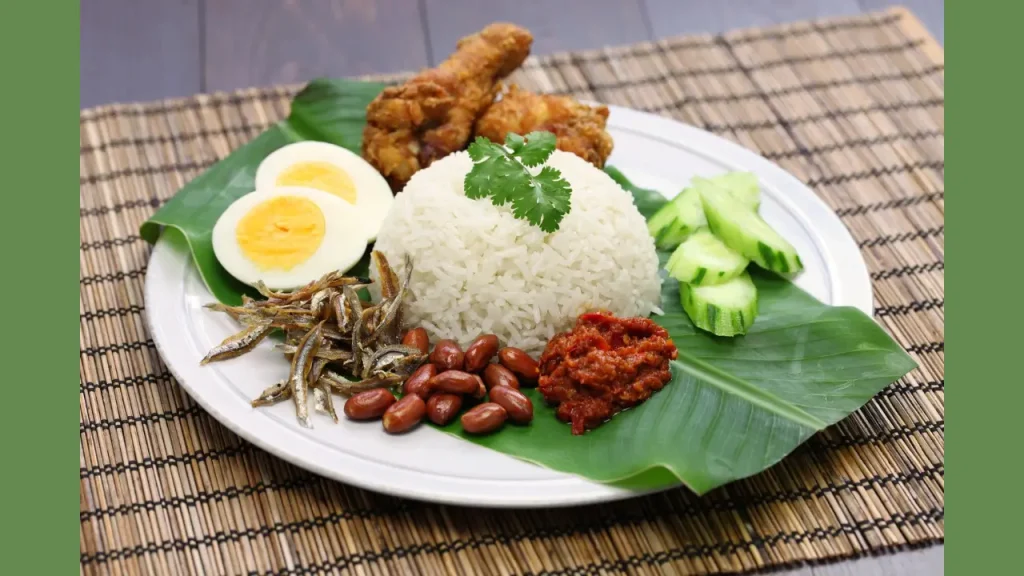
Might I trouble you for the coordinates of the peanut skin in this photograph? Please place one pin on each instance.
(480, 352)
(498, 375)
(404, 414)
(419, 382)
(417, 338)
(484, 418)
(447, 355)
(369, 405)
(519, 363)
(442, 408)
(454, 382)
(518, 406)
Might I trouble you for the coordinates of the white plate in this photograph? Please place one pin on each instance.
(429, 465)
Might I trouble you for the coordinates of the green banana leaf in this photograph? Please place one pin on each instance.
(734, 407)
(327, 110)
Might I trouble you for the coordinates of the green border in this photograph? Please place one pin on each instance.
(39, 43)
(986, 401)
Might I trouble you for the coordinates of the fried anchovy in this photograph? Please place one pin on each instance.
(351, 309)
(331, 280)
(388, 278)
(301, 366)
(318, 303)
(274, 394)
(325, 353)
(395, 360)
(357, 337)
(322, 400)
(337, 383)
(239, 343)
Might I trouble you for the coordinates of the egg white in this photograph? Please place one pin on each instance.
(373, 195)
(343, 244)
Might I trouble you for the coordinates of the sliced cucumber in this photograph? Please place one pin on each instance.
(742, 185)
(675, 221)
(746, 232)
(704, 260)
(724, 309)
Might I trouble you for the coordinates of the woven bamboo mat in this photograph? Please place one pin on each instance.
(853, 107)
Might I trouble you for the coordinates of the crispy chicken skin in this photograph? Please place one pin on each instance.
(432, 115)
(580, 129)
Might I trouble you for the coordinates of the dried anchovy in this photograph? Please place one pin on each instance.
(273, 395)
(301, 365)
(239, 343)
(325, 352)
(342, 386)
(324, 323)
(322, 400)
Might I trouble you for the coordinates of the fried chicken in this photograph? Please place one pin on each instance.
(432, 115)
(580, 129)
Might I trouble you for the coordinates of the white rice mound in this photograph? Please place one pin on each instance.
(477, 269)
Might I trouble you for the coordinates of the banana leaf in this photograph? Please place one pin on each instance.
(327, 110)
(734, 407)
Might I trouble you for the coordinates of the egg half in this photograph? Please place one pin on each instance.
(287, 237)
(334, 170)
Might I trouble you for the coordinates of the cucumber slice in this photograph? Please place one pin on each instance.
(725, 309)
(704, 260)
(742, 185)
(746, 232)
(675, 221)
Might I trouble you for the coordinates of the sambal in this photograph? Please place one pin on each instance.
(603, 366)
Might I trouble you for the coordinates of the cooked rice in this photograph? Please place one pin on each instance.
(478, 269)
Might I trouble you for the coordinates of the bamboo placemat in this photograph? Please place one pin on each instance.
(852, 106)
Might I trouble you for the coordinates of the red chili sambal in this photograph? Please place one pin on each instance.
(603, 366)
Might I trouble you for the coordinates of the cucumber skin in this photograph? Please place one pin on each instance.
(674, 222)
(699, 275)
(719, 322)
(764, 256)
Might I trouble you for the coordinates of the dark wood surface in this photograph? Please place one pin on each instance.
(556, 25)
(262, 42)
(134, 50)
(148, 49)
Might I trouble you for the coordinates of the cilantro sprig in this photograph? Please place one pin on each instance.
(501, 172)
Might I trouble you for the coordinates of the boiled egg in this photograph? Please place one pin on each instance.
(334, 170)
(288, 236)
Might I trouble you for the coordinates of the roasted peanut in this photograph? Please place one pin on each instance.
(369, 405)
(417, 338)
(454, 382)
(498, 375)
(518, 406)
(447, 355)
(418, 383)
(481, 390)
(480, 352)
(519, 362)
(404, 414)
(442, 408)
(484, 418)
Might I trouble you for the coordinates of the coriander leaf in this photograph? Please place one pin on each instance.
(539, 145)
(482, 149)
(501, 173)
(544, 200)
(514, 141)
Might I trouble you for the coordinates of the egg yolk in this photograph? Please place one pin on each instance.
(322, 176)
(281, 232)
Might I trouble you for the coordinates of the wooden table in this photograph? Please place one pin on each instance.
(136, 50)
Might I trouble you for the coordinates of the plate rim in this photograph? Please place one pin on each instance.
(580, 491)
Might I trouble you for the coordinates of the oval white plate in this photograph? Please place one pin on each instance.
(429, 465)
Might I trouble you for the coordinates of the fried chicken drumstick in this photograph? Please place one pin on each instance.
(579, 128)
(432, 115)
